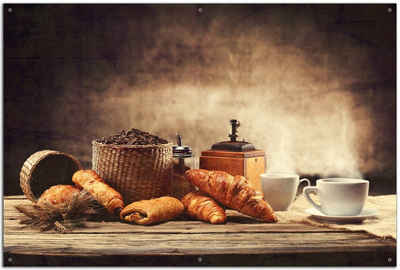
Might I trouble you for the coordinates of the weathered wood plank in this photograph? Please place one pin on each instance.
(188, 242)
(164, 244)
(176, 227)
(236, 222)
(16, 197)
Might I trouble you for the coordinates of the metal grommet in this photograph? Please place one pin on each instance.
(389, 259)
(200, 10)
(199, 259)
(390, 10)
(10, 10)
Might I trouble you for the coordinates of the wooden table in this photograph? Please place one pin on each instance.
(242, 241)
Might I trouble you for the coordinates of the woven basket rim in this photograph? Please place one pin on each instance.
(43, 154)
(94, 142)
(55, 152)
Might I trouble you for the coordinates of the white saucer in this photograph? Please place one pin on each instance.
(366, 213)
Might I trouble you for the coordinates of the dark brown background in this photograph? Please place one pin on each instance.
(313, 85)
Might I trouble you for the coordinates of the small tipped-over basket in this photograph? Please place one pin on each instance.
(138, 172)
(44, 169)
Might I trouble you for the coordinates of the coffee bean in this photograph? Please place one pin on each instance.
(132, 137)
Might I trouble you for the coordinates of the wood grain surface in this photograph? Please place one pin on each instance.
(249, 164)
(242, 241)
(221, 153)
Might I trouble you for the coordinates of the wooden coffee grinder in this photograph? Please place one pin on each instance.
(236, 158)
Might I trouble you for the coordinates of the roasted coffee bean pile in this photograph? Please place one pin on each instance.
(132, 137)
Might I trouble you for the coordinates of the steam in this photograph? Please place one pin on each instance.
(303, 136)
(292, 100)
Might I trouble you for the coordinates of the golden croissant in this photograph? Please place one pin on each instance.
(202, 207)
(234, 192)
(90, 181)
(58, 194)
(146, 212)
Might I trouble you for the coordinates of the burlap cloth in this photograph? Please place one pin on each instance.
(383, 225)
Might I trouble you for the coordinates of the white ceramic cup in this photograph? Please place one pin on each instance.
(280, 189)
(339, 196)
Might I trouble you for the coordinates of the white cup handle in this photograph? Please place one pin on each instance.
(305, 180)
(302, 180)
(307, 191)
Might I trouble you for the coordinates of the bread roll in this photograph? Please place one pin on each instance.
(58, 194)
(152, 211)
(90, 181)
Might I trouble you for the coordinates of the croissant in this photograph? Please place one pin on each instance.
(146, 212)
(90, 181)
(201, 207)
(58, 194)
(232, 191)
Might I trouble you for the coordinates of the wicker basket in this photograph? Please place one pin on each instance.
(138, 172)
(44, 169)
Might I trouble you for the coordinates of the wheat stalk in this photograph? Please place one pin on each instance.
(62, 217)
